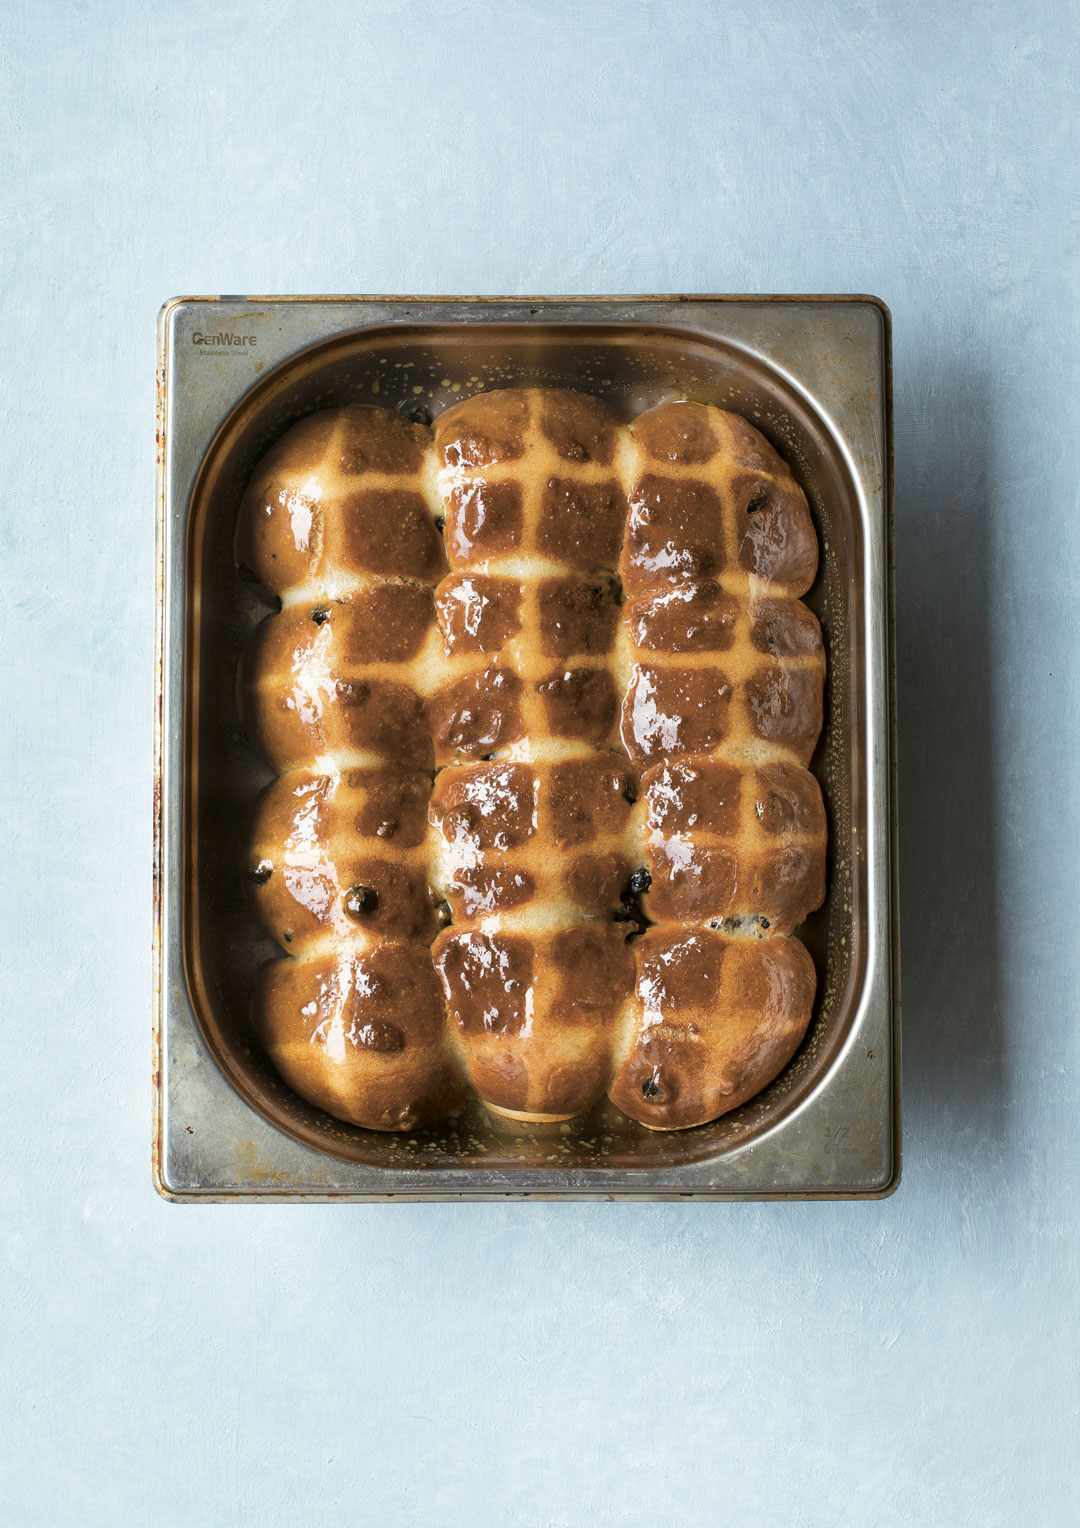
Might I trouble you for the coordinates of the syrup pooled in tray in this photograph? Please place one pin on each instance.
(541, 694)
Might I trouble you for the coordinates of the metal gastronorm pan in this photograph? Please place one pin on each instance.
(813, 374)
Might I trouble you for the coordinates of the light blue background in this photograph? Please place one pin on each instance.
(905, 1362)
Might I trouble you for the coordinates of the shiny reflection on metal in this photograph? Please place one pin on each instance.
(233, 374)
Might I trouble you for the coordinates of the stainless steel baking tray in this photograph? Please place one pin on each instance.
(813, 374)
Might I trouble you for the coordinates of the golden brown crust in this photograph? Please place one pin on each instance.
(314, 870)
(478, 714)
(714, 1021)
(729, 843)
(720, 501)
(478, 614)
(337, 521)
(552, 834)
(533, 853)
(361, 1033)
(537, 1013)
(611, 671)
(305, 513)
(304, 695)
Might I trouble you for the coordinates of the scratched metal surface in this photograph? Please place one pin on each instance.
(878, 1364)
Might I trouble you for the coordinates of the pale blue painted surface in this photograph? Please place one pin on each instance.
(904, 1362)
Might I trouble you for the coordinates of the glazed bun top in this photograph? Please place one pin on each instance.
(540, 680)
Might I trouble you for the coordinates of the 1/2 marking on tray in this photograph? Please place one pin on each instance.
(835, 1143)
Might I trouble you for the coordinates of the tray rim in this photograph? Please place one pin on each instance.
(633, 1188)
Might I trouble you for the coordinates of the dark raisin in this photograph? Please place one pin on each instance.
(249, 575)
(650, 1088)
(287, 938)
(320, 614)
(440, 522)
(419, 416)
(759, 501)
(639, 883)
(636, 924)
(384, 1038)
(764, 922)
(261, 872)
(360, 900)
